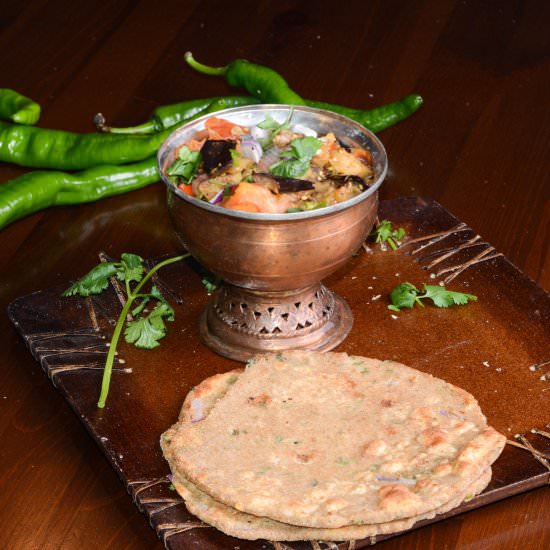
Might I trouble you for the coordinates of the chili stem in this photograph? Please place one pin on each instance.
(201, 68)
(149, 127)
(132, 295)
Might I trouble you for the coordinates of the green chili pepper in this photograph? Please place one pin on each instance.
(267, 85)
(376, 119)
(18, 108)
(44, 148)
(261, 82)
(379, 118)
(38, 190)
(169, 116)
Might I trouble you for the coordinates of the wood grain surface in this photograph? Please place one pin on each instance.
(480, 146)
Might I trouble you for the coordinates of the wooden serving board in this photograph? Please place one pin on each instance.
(497, 348)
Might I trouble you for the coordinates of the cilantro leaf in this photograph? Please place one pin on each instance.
(272, 127)
(145, 332)
(403, 295)
(299, 156)
(132, 268)
(399, 233)
(142, 305)
(211, 282)
(95, 281)
(385, 233)
(290, 168)
(156, 293)
(445, 298)
(407, 295)
(269, 123)
(186, 165)
(306, 147)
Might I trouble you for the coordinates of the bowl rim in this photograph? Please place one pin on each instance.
(262, 216)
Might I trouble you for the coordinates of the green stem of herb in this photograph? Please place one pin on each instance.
(112, 352)
(158, 266)
(392, 243)
(131, 296)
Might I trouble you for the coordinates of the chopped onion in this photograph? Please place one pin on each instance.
(403, 480)
(301, 129)
(197, 412)
(449, 414)
(217, 197)
(272, 155)
(251, 149)
(258, 133)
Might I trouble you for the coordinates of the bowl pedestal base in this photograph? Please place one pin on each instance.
(239, 323)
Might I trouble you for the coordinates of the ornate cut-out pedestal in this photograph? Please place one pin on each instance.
(239, 323)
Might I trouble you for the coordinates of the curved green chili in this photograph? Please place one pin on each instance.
(379, 118)
(269, 86)
(376, 119)
(168, 116)
(35, 191)
(44, 148)
(261, 82)
(18, 108)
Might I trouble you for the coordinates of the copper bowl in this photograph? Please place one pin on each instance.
(272, 264)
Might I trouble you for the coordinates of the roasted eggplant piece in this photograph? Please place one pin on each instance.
(216, 154)
(285, 185)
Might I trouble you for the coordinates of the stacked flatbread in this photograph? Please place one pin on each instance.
(305, 445)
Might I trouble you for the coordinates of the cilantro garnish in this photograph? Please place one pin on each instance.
(273, 127)
(147, 328)
(186, 165)
(269, 123)
(298, 158)
(385, 233)
(406, 295)
(146, 331)
(211, 282)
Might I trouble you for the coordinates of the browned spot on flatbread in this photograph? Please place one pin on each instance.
(262, 399)
(432, 437)
(304, 458)
(394, 497)
(375, 447)
(424, 414)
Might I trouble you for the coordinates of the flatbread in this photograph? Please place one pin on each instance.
(196, 407)
(249, 527)
(330, 440)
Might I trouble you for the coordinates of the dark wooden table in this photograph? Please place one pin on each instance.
(480, 146)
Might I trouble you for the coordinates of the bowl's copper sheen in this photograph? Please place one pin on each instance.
(274, 259)
(272, 255)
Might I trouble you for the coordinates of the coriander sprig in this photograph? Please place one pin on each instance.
(273, 128)
(146, 329)
(385, 233)
(406, 295)
(186, 164)
(297, 159)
